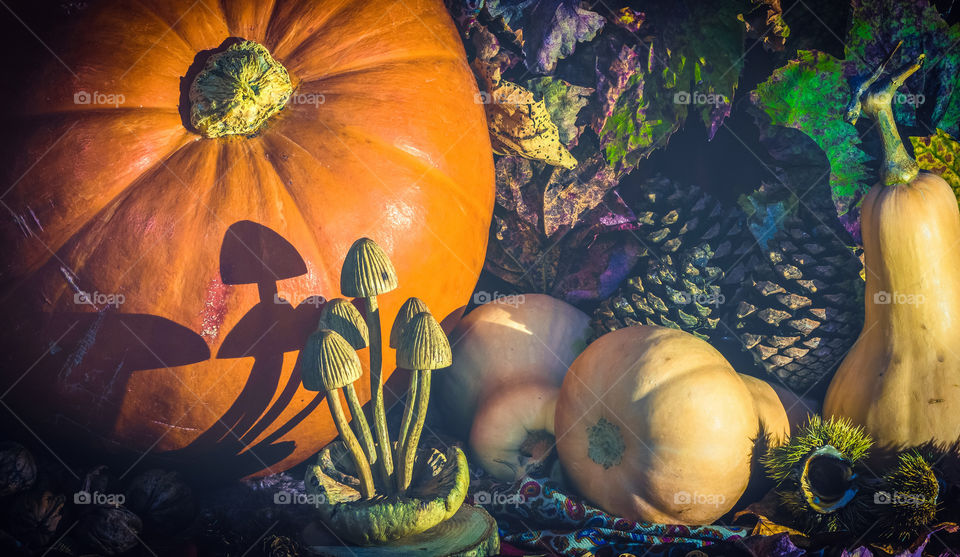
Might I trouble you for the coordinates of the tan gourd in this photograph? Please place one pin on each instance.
(654, 424)
(901, 380)
(772, 419)
(526, 338)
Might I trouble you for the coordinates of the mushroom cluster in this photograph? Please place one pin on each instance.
(379, 486)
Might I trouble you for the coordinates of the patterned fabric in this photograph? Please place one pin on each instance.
(535, 515)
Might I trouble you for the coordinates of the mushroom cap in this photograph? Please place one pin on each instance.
(341, 316)
(367, 271)
(408, 310)
(423, 344)
(329, 362)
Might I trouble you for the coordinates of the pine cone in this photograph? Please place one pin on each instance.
(800, 313)
(679, 283)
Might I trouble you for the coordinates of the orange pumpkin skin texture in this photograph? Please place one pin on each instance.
(202, 237)
(653, 424)
(901, 380)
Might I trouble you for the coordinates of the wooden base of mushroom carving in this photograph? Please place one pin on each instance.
(427, 514)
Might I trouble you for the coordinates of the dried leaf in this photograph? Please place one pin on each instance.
(510, 10)
(515, 190)
(564, 102)
(765, 22)
(629, 19)
(570, 193)
(940, 154)
(520, 125)
(554, 28)
(586, 264)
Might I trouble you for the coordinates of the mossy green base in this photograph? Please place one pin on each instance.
(439, 487)
(472, 532)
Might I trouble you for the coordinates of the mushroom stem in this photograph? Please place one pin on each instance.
(413, 439)
(384, 448)
(405, 424)
(360, 423)
(350, 441)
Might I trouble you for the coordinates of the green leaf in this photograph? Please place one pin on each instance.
(641, 122)
(704, 46)
(564, 102)
(940, 154)
(877, 26)
(810, 94)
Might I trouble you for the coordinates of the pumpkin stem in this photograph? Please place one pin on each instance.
(237, 91)
(876, 102)
(605, 444)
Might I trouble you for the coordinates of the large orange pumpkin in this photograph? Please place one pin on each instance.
(146, 267)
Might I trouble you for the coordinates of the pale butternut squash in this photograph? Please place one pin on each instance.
(901, 380)
(653, 424)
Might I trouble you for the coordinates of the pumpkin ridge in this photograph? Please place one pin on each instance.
(147, 8)
(99, 224)
(387, 65)
(236, 28)
(93, 109)
(342, 52)
(313, 228)
(277, 37)
(52, 250)
(408, 160)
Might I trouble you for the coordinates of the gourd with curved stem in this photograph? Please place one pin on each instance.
(337, 366)
(367, 272)
(423, 348)
(901, 380)
(341, 316)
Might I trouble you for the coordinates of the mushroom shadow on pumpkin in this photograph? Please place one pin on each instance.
(254, 254)
(127, 343)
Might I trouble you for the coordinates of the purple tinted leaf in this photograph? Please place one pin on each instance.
(553, 31)
(510, 10)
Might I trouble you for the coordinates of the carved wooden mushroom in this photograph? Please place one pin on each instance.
(331, 364)
(408, 311)
(340, 316)
(423, 348)
(366, 273)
